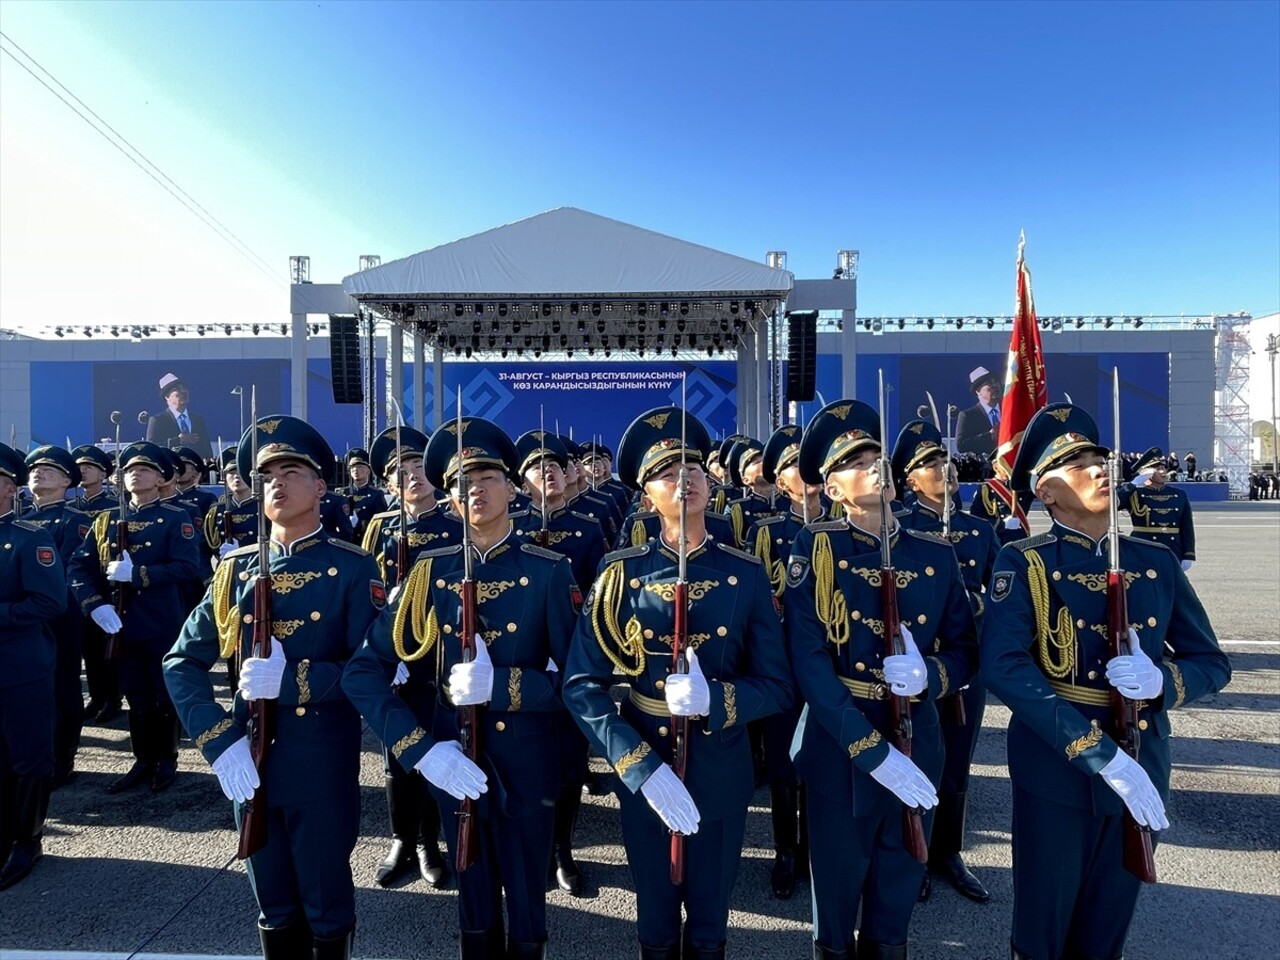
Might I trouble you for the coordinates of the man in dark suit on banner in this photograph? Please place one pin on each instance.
(978, 426)
(176, 426)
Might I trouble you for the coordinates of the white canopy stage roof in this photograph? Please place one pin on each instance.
(569, 283)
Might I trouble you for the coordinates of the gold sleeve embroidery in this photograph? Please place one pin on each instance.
(631, 758)
(1081, 744)
(407, 741)
(513, 688)
(217, 730)
(943, 679)
(624, 649)
(1179, 687)
(866, 743)
(304, 686)
(830, 603)
(730, 705)
(415, 606)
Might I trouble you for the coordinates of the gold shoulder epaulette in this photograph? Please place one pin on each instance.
(537, 551)
(349, 546)
(627, 552)
(1039, 540)
(741, 554)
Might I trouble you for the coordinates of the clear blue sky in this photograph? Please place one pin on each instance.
(1138, 144)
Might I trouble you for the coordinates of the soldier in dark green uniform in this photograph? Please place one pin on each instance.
(412, 810)
(542, 459)
(864, 881)
(738, 672)
(920, 466)
(52, 472)
(363, 498)
(770, 539)
(1160, 513)
(162, 555)
(1046, 655)
(100, 673)
(33, 592)
(525, 616)
(324, 595)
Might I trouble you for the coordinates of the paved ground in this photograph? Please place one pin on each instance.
(117, 868)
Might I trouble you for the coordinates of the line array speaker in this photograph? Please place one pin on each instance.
(344, 360)
(802, 354)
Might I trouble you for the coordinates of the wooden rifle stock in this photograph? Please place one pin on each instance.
(680, 725)
(912, 817)
(468, 732)
(1139, 855)
(253, 813)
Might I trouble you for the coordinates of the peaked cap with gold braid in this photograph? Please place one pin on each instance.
(741, 455)
(835, 434)
(652, 442)
(1057, 433)
(917, 442)
(383, 455)
(781, 451)
(282, 437)
(484, 446)
(539, 445)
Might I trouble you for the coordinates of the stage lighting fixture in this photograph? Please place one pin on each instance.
(88, 331)
(573, 309)
(710, 349)
(664, 308)
(57, 332)
(929, 323)
(642, 309)
(515, 326)
(991, 322)
(641, 325)
(866, 323)
(595, 309)
(546, 309)
(877, 326)
(1056, 325)
(502, 309)
(959, 323)
(724, 326)
(684, 309)
(546, 342)
(1137, 322)
(226, 328)
(555, 326)
(528, 340)
(1107, 323)
(734, 307)
(582, 326)
(1079, 322)
(680, 325)
(115, 331)
(453, 340)
(457, 310)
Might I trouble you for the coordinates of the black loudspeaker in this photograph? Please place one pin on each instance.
(802, 354)
(344, 360)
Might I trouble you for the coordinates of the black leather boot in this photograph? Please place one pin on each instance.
(523, 950)
(431, 863)
(660, 953)
(783, 796)
(871, 950)
(8, 814)
(568, 876)
(404, 830)
(945, 845)
(285, 943)
(690, 952)
(333, 948)
(831, 953)
(31, 803)
(482, 945)
(140, 772)
(165, 752)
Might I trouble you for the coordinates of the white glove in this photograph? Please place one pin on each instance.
(472, 683)
(687, 693)
(228, 547)
(121, 571)
(237, 776)
(1187, 565)
(1125, 776)
(897, 774)
(452, 771)
(106, 617)
(905, 672)
(1142, 479)
(671, 801)
(402, 674)
(1135, 675)
(260, 676)
(1012, 523)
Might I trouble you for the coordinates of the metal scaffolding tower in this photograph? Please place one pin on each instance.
(1232, 434)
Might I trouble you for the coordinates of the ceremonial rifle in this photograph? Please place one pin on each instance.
(680, 633)
(957, 704)
(402, 537)
(544, 536)
(119, 590)
(912, 817)
(1139, 856)
(468, 848)
(261, 729)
